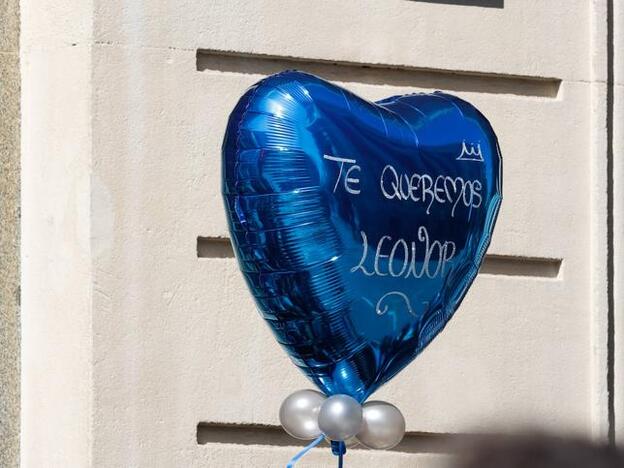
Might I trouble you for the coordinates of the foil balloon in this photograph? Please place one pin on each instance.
(358, 226)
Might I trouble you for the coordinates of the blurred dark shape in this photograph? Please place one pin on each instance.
(539, 450)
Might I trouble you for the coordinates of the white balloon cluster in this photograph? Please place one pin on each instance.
(307, 414)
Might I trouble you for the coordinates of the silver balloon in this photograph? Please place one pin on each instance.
(299, 414)
(340, 417)
(384, 426)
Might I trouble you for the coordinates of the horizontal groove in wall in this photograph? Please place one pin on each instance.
(243, 434)
(214, 247)
(521, 266)
(352, 72)
(220, 247)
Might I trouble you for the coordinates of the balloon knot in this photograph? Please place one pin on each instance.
(338, 448)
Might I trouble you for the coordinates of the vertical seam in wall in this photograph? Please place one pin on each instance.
(599, 229)
(610, 232)
(91, 95)
(91, 105)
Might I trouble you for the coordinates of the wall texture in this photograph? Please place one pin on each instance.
(141, 346)
(9, 232)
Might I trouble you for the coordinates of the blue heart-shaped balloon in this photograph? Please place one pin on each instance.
(358, 226)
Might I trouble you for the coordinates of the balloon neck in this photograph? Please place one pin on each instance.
(338, 448)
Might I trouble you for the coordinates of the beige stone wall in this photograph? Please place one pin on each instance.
(140, 342)
(9, 232)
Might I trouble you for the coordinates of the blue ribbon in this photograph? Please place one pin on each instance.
(305, 450)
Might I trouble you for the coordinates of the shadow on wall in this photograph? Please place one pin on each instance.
(477, 3)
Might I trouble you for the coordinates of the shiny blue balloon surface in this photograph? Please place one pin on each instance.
(358, 226)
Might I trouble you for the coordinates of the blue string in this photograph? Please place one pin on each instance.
(339, 449)
(305, 450)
